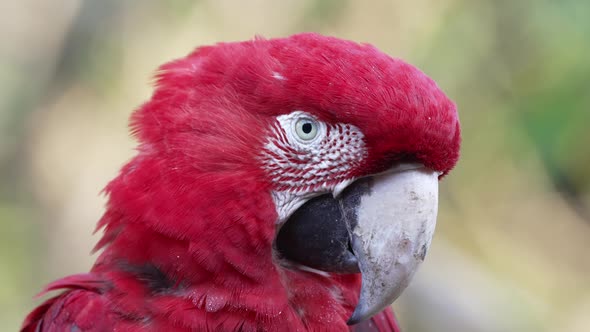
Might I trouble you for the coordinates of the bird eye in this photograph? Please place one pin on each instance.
(306, 129)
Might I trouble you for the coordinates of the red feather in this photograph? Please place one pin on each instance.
(190, 222)
(382, 322)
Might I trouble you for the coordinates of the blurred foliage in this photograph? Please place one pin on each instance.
(510, 250)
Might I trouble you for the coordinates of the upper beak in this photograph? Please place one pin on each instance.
(380, 225)
(395, 222)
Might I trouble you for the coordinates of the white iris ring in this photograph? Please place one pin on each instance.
(306, 129)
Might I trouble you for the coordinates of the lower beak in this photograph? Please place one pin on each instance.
(380, 226)
(395, 222)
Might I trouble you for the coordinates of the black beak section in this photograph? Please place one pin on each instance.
(380, 226)
(318, 234)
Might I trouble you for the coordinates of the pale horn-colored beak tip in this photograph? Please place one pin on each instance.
(395, 224)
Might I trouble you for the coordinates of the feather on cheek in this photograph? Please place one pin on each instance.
(299, 170)
(315, 167)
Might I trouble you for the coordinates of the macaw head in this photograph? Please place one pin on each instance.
(302, 155)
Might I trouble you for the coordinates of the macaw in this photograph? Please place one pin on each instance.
(285, 184)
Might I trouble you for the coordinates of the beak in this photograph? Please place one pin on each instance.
(380, 226)
(395, 222)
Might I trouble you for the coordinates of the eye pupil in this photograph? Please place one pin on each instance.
(307, 127)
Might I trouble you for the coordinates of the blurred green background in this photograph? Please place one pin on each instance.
(511, 249)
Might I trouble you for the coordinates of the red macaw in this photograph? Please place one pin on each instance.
(269, 173)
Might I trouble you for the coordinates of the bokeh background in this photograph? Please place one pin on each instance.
(511, 250)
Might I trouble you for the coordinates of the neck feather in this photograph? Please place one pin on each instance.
(210, 259)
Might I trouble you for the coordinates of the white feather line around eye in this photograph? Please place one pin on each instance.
(302, 170)
(289, 122)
